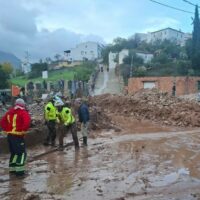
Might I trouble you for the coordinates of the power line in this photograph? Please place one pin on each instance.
(189, 2)
(168, 6)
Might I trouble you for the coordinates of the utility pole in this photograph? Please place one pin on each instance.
(131, 69)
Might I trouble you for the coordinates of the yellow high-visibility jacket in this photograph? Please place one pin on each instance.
(50, 112)
(66, 116)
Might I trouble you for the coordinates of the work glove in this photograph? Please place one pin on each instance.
(57, 120)
(66, 124)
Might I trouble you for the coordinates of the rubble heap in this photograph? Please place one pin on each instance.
(37, 114)
(98, 120)
(152, 105)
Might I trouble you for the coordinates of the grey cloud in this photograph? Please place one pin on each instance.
(19, 33)
(14, 18)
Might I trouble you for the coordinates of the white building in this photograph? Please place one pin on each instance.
(26, 67)
(169, 34)
(147, 57)
(84, 51)
(164, 34)
(111, 59)
(122, 54)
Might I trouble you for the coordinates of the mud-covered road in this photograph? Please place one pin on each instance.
(144, 161)
(134, 160)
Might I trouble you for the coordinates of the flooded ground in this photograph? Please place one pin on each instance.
(144, 161)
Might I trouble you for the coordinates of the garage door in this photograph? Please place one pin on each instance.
(149, 84)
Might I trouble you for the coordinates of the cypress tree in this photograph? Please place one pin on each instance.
(196, 42)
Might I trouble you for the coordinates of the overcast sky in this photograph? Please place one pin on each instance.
(46, 27)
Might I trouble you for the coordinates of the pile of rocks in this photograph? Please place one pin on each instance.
(98, 119)
(152, 105)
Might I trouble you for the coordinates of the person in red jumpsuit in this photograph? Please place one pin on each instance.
(16, 123)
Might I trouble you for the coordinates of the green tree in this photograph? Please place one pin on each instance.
(37, 68)
(188, 48)
(125, 72)
(3, 78)
(161, 58)
(196, 42)
(133, 59)
(7, 68)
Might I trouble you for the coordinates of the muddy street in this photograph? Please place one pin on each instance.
(151, 162)
(144, 146)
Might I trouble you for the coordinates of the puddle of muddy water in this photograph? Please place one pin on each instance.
(113, 167)
(169, 178)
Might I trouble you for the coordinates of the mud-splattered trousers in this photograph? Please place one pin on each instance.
(17, 154)
(63, 130)
(51, 124)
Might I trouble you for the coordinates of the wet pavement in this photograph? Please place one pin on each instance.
(133, 164)
(108, 82)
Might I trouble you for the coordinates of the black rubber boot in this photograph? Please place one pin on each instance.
(84, 141)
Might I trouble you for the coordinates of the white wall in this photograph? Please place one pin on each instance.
(26, 67)
(168, 34)
(111, 57)
(122, 54)
(87, 50)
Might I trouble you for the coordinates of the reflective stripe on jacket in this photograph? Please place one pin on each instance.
(66, 116)
(16, 121)
(50, 112)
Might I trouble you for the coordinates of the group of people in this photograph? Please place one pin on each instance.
(59, 118)
(59, 113)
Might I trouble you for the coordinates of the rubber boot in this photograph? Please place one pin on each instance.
(84, 141)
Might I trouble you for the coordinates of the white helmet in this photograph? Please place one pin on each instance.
(58, 101)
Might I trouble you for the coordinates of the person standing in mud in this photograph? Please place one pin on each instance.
(84, 117)
(50, 115)
(15, 123)
(67, 123)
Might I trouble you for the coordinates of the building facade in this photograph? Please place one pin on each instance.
(84, 51)
(147, 57)
(26, 67)
(183, 85)
(167, 34)
(164, 34)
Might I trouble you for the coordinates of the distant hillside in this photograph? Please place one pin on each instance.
(8, 57)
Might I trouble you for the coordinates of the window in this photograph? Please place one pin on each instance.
(149, 84)
(82, 52)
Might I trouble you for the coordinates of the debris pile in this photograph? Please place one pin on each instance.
(98, 119)
(152, 105)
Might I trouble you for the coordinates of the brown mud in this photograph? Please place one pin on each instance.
(144, 161)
